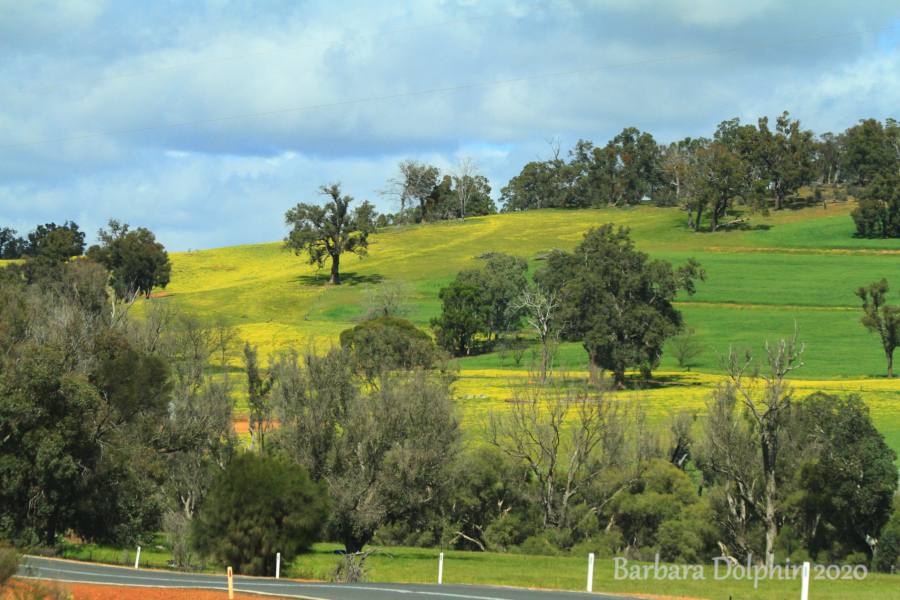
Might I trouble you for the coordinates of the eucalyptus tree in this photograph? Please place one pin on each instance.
(881, 318)
(327, 232)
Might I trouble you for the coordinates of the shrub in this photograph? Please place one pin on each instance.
(256, 508)
(887, 560)
(9, 563)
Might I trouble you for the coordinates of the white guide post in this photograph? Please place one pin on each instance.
(441, 568)
(277, 565)
(804, 593)
(137, 558)
(590, 585)
(230, 584)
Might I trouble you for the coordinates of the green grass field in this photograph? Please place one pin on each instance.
(420, 565)
(797, 266)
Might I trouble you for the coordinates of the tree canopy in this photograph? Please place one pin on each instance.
(615, 301)
(258, 507)
(137, 263)
(327, 232)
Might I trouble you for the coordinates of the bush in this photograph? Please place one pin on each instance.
(9, 563)
(256, 508)
(387, 344)
(887, 560)
(604, 545)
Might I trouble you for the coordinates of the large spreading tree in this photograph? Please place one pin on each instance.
(326, 232)
(616, 301)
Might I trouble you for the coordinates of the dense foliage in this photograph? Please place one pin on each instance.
(137, 263)
(616, 301)
(258, 507)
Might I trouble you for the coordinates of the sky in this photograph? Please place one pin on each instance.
(350, 90)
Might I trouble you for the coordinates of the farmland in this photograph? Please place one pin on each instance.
(797, 266)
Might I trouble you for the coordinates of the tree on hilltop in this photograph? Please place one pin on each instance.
(326, 232)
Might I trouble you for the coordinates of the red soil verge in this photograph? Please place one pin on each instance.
(88, 591)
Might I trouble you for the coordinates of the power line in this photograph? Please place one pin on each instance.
(458, 87)
(292, 48)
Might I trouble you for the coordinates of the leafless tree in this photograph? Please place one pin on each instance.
(568, 440)
(389, 298)
(541, 307)
(414, 180)
(685, 346)
(464, 175)
(745, 452)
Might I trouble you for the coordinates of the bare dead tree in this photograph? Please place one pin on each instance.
(390, 298)
(463, 176)
(567, 440)
(541, 307)
(414, 180)
(745, 452)
(352, 567)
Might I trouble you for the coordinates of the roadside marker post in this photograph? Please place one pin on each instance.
(137, 558)
(590, 585)
(230, 585)
(804, 593)
(277, 565)
(441, 568)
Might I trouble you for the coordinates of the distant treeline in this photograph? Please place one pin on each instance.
(760, 166)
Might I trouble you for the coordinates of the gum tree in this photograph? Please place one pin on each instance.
(326, 232)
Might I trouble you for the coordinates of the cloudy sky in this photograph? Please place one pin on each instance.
(338, 80)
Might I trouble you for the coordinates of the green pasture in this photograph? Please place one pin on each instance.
(800, 266)
(420, 565)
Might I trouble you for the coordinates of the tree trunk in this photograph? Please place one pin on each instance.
(769, 450)
(355, 543)
(543, 359)
(714, 219)
(619, 378)
(777, 201)
(890, 357)
(335, 273)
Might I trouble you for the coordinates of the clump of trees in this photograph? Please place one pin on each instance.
(97, 417)
(481, 302)
(422, 193)
(616, 301)
(386, 452)
(761, 166)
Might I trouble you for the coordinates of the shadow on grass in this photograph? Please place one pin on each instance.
(349, 279)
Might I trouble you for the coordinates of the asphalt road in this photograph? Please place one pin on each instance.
(67, 570)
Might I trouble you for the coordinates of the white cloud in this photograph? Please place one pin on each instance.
(229, 182)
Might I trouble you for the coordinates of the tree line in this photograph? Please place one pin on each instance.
(761, 166)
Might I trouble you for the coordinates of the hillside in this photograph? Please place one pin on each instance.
(798, 266)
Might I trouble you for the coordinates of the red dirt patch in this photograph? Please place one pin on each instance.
(87, 591)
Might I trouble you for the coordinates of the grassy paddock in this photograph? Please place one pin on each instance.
(420, 565)
(417, 565)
